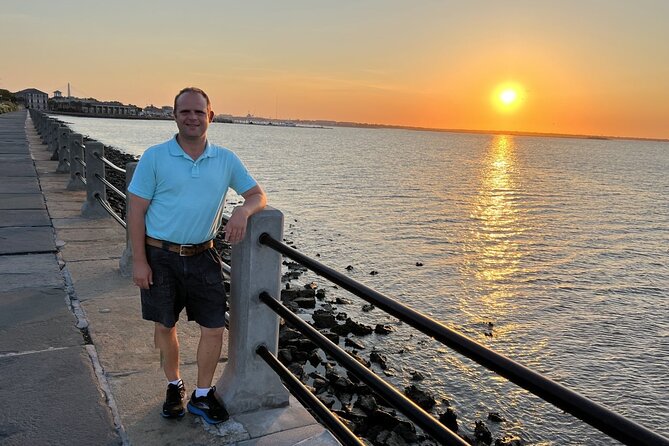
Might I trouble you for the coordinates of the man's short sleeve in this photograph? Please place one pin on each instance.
(240, 179)
(143, 182)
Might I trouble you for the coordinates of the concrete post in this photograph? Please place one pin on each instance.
(64, 154)
(52, 143)
(248, 383)
(63, 131)
(44, 128)
(95, 169)
(76, 149)
(125, 264)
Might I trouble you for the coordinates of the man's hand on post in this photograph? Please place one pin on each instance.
(236, 227)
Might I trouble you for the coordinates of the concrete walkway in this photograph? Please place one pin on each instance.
(77, 363)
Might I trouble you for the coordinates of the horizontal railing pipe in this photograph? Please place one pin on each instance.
(110, 164)
(605, 420)
(105, 205)
(412, 411)
(111, 186)
(331, 421)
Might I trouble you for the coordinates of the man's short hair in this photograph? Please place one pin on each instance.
(192, 90)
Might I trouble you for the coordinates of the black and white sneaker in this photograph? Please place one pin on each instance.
(174, 401)
(208, 407)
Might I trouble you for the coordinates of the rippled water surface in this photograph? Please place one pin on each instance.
(563, 244)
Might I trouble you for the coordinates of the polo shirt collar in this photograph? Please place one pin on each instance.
(176, 150)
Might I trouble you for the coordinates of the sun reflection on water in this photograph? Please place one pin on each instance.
(492, 249)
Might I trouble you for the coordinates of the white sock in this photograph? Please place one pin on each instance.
(201, 392)
(175, 382)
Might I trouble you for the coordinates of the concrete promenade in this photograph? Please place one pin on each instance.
(77, 363)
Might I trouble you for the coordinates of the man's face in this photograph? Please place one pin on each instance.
(192, 116)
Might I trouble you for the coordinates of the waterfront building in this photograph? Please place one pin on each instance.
(32, 98)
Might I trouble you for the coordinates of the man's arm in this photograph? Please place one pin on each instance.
(254, 201)
(142, 275)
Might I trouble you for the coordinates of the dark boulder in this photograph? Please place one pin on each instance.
(482, 434)
(421, 397)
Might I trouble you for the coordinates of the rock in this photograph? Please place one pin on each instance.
(383, 329)
(495, 417)
(482, 434)
(373, 273)
(419, 263)
(383, 419)
(509, 440)
(349, 268)
(314, 359)
(324, 319)
(341, 316)
(334, 337)
(417, 376)
(343, 301)
(305, 302)
(320, 294)
(421, 397)
(351, 326)
(285, 356)
(311, 286)
(297, 370)
(366, 403)
(368, 307)
(380, 359)
(359, 358)
(449, 419)
(353, 343)
(407, 431)
(391, 438)
(327, 400)
(320, 383)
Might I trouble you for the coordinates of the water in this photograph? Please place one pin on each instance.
(562, 243)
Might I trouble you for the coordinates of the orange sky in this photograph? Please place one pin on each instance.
(583, 67)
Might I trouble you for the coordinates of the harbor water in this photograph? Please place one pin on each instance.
(551, 251)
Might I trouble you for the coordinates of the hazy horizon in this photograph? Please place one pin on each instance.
(571, 68)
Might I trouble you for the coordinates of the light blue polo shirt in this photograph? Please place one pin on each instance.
(187, 197)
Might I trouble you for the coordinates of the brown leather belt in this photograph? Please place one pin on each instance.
(182, 250)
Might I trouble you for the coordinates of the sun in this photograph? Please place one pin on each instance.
(507, 97)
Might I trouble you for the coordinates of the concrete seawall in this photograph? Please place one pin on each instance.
(64, 304)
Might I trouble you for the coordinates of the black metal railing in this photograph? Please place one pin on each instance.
(412, 411)
(303, 394)
(603, 419)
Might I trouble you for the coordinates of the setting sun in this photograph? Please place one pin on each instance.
(507, 97)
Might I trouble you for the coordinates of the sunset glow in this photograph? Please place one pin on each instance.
(429, 64)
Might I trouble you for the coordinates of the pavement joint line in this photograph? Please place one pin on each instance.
(31, 352)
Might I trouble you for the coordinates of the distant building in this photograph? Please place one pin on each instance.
(92, 106)
(57, 94)
(151, 111)
(33, 98)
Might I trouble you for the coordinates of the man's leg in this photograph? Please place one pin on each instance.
(166, 340)
(208, 354)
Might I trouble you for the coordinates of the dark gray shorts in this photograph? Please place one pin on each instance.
(194, 283)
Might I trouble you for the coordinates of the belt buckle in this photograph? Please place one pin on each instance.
(181, 250)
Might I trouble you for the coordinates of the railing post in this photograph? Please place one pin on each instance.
(248, 383)
(125, 264)
(52, 135)
(75, 150)
(63, 131)
(95, 169)
(64, 153)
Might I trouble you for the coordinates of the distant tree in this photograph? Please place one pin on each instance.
(7, 96)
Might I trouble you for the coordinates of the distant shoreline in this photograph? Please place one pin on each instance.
(319, 123)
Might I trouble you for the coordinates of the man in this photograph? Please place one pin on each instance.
(176, 200)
